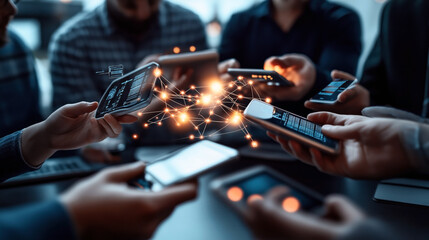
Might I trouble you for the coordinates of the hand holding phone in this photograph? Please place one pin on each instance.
(271, 78)
(289, 125)
(329, 95)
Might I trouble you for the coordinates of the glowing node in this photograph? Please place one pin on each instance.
(248, 136)
(254, 144)
(291, 204)
(239, 88)
(240, 78)
(182, 92)
(196, 128)
(218, 101)
(155, 89)
(208, 120)
(139, 114)
(192, 48)
(201, 137)
(216, 87)
(176, 50)
(164, 95)
(192, 137)
(211, 112)
(145, 125)
(135, 136)
(192, 87)
(178, 124)
(250, 82)
(183, 117)
(234, 194)
(198, 101)
(230, 85)
(268, 100)
(240, 96)
(173, 115)
(207, 99)
(254, 197)
(166, 110)
(157, 72)
(159, 123)
(236, 118)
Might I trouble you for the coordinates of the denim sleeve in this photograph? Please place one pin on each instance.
(46, 220)
(12, 162)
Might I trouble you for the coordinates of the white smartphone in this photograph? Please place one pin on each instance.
(329, 94)
(289, 125)
(186, 164)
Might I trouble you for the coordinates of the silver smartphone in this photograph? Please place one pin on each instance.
(329, 94)
(186, 163)
(289, 125)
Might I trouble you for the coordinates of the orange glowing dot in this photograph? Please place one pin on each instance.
(291, 204)
(211, 112)
(145, 125)
(240, 78)
(173, 115)
(135, 136)
(176, 50)
(196, 128)
(192, 87)
(192, 48)
(236, 118)
(268, 100)
(201, 137)
(183, 117)
(207, 99)
(155, 89)
(216, 87)
(230, 85)
(178, 124)
(198, 101)
(159, 123)
(192, 137)
(254, 144)
(166, 110)
(182, 92)
(208, 120)
(164, 95)
(248, 136)
(254, 197)
(250, 82)
(234, 194)
(240, 96)
(139, 114)
(157, 72)
(239, 88)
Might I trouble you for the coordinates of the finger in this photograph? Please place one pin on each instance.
(342, 132)
(321, 106)
(124, 172)
(343, 209)
(328, 118)
(300, 152)
(322, 162)
(172, 196)
(107, 129)
(347, 95)
(77, 109)
(113, 123)
(230, 63)
(335, 74)
(276, 194)
(127, 119)
(284, 143)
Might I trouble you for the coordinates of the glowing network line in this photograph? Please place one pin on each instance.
(218, 103)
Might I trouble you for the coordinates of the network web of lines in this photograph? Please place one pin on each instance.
(216, 106)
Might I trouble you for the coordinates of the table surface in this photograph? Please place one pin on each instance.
(208, 217)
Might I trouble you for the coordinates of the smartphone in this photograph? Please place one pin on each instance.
(129, 93)
(238, 188)
(289, 125)
(186, 164)
(330, 93)
(271, 78)
(203, 64)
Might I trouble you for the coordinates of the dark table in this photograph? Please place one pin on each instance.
(208, 217)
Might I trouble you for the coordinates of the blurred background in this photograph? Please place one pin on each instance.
(38, 19)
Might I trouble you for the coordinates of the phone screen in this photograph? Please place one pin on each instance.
(262, 183)
(296, 126)
(331, 92)
(272, 78)
(190, 162)
(128, 90)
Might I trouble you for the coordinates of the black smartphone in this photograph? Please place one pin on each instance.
(271, 78)
(129, 93)
(238, 188)
(330, 93)
(289, 125)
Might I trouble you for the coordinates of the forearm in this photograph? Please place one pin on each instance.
(416, 142)
(35, 145)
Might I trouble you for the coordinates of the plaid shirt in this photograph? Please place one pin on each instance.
(90, 42)
(19, 90)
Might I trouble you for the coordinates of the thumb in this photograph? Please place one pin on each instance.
(342, 132)
(347, 95)
(77, 109)
(335, 74)
(340, 208)
(125, 172)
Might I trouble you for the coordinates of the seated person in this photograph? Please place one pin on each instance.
(19, 89)
(327, 33)
(94, 208)
(395, 73)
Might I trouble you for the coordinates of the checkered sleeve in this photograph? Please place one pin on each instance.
(70, 69)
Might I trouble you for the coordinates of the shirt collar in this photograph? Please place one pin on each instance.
(110, 27)
(264, 10)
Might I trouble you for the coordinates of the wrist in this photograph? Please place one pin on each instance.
(35, 144)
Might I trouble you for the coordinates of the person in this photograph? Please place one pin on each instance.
(103, 206)
(396, 72)
(19, 90)
(315, 36)
(116, 32)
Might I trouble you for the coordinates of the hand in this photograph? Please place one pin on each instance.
(268, 220)
(351, 101)
(296, 68)
(104, 206)
(223, 69)
(69, 127)
(370, 147)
